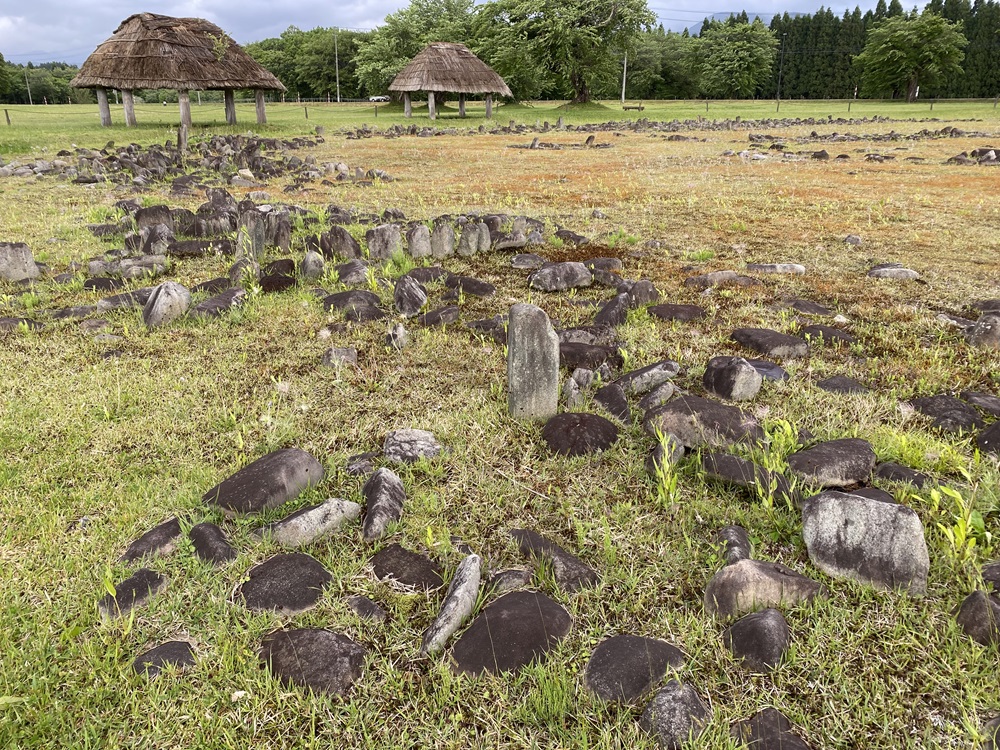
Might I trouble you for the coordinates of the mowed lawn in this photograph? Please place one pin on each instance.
(97, 449)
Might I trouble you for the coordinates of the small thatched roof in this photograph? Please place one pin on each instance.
(442, 66)
(150, 51)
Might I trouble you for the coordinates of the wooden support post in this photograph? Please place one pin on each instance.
(461, 105)
(261, 114)
(184, 101)
(128, 104)
(431, 111)
(230, 100)
(7, 115)
(489, 106)
(407, 105)
(103, 106)
(182, 138)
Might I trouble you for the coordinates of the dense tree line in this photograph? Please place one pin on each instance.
(577, 49)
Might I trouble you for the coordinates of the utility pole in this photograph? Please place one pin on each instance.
(624, 73)
(781, 65)
(27, 85)
(336, 61)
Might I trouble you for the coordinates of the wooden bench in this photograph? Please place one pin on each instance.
(637, 107)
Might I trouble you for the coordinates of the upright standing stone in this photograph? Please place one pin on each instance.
(252, 236)
(443, 240)
(418, 241)
(532, 364)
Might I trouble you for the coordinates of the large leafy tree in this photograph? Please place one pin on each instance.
(736, 58)
(4, 76)
(578, 43)
(392, 45)
(906, 52)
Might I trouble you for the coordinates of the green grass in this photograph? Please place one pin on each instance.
(39, 127)
(96, 451)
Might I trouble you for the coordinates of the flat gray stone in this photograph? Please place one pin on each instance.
(624, 668)
(979, 618)
(771, 343)
(759, 640)
(222, 302)
(366, 609)
(986, 402)
(571, 573)
(767, 730)
(680, 313)
(17, 263)
(133, 592)
(748, 585)
(176, 654)
(168, 302)
(407, 569)
(737, 471)
(837, 463)
(842, 384)
(312, 265)
(457, 607)
(612, 399)
(409, 296)
(159, 541)
(985, 333)
(558, 277)
(644, 379)
(384, 498)
(517, 629)
(777, 268)
(675, 716)
(720, 278)
(443, 240)
(210, 544)
(893, 271)
(288, 583)
(578, 433)
(532, 364)
(948, 413)
(322, 661)
(409, 445)
(527, 262)
(879, 544)
(310, 524)
(266, 483)
(732, 378)
(697, 422)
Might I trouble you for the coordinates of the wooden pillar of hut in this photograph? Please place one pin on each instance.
(261, 114)
(103, 106)
(128, 104)
(489, 106)
(184, 101)
(461, 105)
(407, 105)
(431, 110)
(230, 106)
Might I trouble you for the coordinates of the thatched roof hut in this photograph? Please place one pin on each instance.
(446, 67)
(150, 51)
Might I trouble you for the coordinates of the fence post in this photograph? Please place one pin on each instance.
(7, 114)
(307, 112)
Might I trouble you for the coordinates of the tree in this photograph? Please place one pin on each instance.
(904, 52)
(388, 49)
(4, 76)
(580, 42)
(736, 59)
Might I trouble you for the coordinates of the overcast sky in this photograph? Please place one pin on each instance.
(69, 30)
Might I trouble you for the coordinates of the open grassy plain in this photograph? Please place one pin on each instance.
(95, 450)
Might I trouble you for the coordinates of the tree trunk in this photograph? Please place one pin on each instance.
(912, 86)
(581, 91)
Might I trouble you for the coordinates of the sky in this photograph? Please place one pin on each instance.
(68, 30)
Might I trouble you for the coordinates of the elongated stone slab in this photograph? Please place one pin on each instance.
(457, 607)
(268, 482)
(532, 364)
(384, 497)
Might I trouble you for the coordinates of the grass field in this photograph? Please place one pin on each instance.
(94, 451)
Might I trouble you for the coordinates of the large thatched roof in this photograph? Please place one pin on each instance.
(443, 66)
(150, 51)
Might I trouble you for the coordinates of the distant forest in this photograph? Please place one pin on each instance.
(813, 54)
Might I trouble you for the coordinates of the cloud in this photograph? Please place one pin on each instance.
(68, 30)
